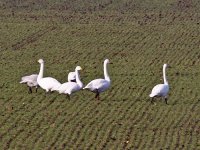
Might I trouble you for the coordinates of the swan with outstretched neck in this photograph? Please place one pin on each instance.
(100, 85)
(47, 83)
(70, 87)
(161, 90)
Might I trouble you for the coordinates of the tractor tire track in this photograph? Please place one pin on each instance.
(32, 38)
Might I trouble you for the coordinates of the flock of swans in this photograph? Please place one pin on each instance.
(74, 83)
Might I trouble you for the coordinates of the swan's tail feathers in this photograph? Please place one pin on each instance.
(86, 87)
(151, 95)
(22, 82)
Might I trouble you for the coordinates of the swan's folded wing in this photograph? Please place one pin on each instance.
(71, 76)
(34, 76)
(30, 78)
(96, 84)
(65, 86)
(158, 90)
(101, 83)
(88, 86)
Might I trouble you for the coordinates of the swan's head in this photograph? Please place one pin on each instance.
(78, 68)
(165, 65)
(41, 61)
(106, 61)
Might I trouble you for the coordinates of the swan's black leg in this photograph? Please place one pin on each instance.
(68, 96)
(97, 94)
(36, 89)
(29, 90)
(166, 100)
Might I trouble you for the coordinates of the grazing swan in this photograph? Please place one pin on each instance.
(72, 77)
(31, 81)
(100, 85)
(70, 87)
(161, 90)
(47, 83)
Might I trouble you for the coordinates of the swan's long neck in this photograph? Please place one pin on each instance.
(106, 72)
(78, 81)
(40, 75)
(164, 75)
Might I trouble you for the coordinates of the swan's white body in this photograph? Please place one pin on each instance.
(161, 90)
(72, 77)
(100, 85)
(70, 87)
(31, 81)
(47, 83)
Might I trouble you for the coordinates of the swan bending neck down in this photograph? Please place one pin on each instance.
(47, 83)
(70, 87)
(100, 85)
(161, 90)
(31, 81)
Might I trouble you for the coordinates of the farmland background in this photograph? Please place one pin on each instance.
(137, 36)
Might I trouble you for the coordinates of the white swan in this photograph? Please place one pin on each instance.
(47, 83)
(100, 85)
(72, 77)
(31, 81)
(161, 90)
(70, 87)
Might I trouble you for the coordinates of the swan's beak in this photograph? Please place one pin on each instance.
(110, 63)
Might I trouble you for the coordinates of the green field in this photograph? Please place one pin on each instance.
(138, 37)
